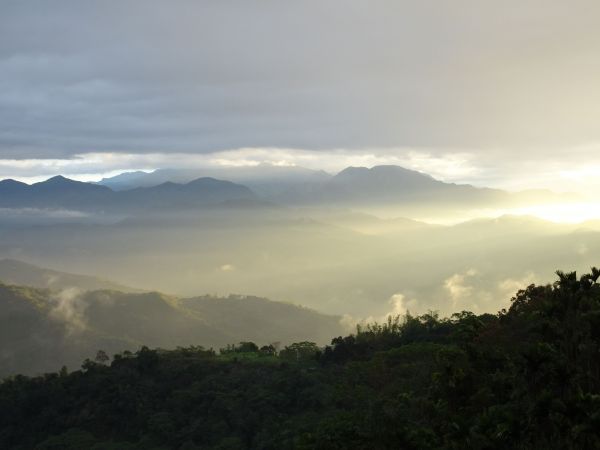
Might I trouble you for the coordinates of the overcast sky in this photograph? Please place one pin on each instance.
(499, 93)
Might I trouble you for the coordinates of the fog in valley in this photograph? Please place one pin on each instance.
(323, 247)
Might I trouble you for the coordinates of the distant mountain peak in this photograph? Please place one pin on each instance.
(61, 182)
(202, 182)
(165, 185)
(125, 175)
(389, 169)
(11, 182)
(58, 179)
(208, 181)
(10, 186)
(383, 179)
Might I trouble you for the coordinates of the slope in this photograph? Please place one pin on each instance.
(41, 329)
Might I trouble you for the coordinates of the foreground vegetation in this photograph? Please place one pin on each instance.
(528, 377)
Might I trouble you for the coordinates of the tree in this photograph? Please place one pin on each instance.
(101, 357)
(246, 347)
(267, 350)
(299, 351)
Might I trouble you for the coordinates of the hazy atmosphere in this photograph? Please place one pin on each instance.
(241, 181)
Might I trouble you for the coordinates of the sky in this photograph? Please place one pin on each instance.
(503, 94)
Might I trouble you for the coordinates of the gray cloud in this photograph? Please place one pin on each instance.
(188, 76)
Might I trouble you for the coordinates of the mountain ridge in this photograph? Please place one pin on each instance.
(63, 193)
(356, 184)
(43, 329)
(16, 272)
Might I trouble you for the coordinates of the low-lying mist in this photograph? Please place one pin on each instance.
(24, 217)
(335, 260)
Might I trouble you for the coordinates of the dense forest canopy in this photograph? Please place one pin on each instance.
(527, 377)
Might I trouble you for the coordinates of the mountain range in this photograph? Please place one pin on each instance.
(170, 189)
(63, 193)
(276, 183)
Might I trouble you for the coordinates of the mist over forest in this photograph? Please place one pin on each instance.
(327, 251)
(299, 225)
(91, 263)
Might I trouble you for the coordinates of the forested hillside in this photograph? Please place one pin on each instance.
(527, 377)
(43, 329)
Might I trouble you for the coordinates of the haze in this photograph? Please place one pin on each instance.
(361, 159)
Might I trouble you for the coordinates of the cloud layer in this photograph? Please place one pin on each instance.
(198, 77)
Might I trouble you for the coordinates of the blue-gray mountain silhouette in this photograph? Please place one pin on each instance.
(383, 184)
(61, 192)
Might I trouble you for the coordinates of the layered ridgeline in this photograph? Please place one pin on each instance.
(42, 329)
(524, 378)
(278, 183)
(17, 272)
(359, 187)
(63, 193)
(353, 186)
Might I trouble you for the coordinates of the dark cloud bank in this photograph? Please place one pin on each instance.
(183, 76)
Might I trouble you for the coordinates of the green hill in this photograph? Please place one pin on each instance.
(42, 329)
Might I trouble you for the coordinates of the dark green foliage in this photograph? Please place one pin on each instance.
(299, 351)
(526, 378)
